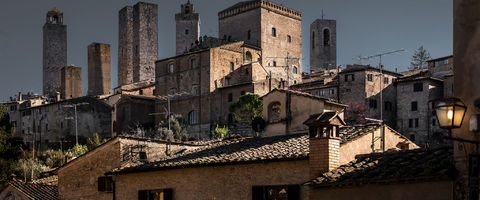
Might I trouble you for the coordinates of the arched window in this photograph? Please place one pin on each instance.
(313, 40)
(193, 63)
(171, 68)
(248, 56)
(295, 69)
(289, 38)
(232, 67)
(274, 32)
(326, 37)
(249, 35)
(193, 117)
(186, 31)
(274, 110)
(187, 9)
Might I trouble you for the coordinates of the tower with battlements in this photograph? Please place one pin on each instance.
(54, 51)
(323, 45)
(188, 28)
(138, 43)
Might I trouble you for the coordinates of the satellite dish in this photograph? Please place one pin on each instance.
(258, 124)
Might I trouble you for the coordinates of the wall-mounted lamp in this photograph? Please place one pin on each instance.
(450, 113)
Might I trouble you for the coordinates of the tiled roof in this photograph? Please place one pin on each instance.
(355, 68)
(299, 93)
(50, 180)
(391, 166)
(247, 150)
(36, 191)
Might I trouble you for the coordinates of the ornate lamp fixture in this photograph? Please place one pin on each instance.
(450, 113)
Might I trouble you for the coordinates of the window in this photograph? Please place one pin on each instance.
(418, 87)
(46, 128)
(326, 37)
(248, 56)
(172, 91)
(388, 106)
(274, 63)
(249, 35)
(295, 70)
(289, 39)
(186, 31)
(105, 184)
(434, 122)
(230, 97)
(284, 192)
(171, 68)
(386, 80)
(163, 194)
(274, 32)
(412, 137)
(410, 123)
(332, 91)
(274, 110)
(229, 38)
(187, 9)
(414, 106)
(370, 77)
(313, 40)
(348, 90)
(416, 122)
(227, 81)
(193, 63)
(349, 77)
(232, 68)
(193, 117)
(246, 71)
(373, 103)
(195, 90)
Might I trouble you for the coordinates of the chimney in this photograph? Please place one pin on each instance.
(19, 97)
(324, 142)
(58, 96)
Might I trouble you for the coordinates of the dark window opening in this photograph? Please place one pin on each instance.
(249, 35)
(418, 87)
(274, 63)
(313, 40)
(373, 103)
(414, 106)
(295, 70)
(230, 118)
(326, 37)
(230, 97)
(370, 77)
(410, 123)
(386, 80)
(232, 67)
(229, 38)
(187, 9)
(416, 122)
(186, 31)
(162, 194)
(105, 184)
(282, 192)
(274, 32)
(289, 39)
(248, 56)
(434, 122)
(412, 137)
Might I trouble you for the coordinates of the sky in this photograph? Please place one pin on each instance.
(364, 28)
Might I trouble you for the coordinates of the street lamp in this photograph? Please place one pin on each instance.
(74, 106)
(450, 113)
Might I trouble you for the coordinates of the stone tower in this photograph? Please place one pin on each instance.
(54, 51)
(98, 69)
(138, 43)
(188, 28)
(71, 79)
(323, 45)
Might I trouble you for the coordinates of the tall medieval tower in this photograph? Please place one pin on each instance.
(323, 45)
(138, 43)
(98, 69)
(54, 52)
(188, 28)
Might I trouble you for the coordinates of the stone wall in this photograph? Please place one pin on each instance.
(323, 56)
(98, 69)
(71, 87)
(187, 28)
(54, 52)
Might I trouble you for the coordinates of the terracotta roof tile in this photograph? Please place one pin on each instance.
(36, 191)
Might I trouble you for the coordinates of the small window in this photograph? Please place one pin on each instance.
(326, 37)
(418, 87)
(186, 31)
(370, 77)
(227, 81)
(229, 38)
(172, 91)
(163, 194)
(232, 68)
(416, 122)
(313, 40)
(193, 117)
(412, 137)
(348, 90)
(410, 123)
(386, 80)
(230, 97)
(193, 63)
(414, 106)
(105, 184)
(274, 32)
(434, 122)
(248, 57)
(289, 39)
(284, 192)
(295, 70)
(349, 77)
(274, 63)
(171, 68)
(195, 90)
(373, 103)
(249, 35)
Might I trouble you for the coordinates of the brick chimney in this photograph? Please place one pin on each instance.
(324, 142)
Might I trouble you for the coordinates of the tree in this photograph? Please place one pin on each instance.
(419, 58)
(77, 150)
(220, 132)
(247, 108)
(178, 130)
(94, 141)
(9, 149)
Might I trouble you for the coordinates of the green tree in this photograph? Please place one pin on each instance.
(25, 166)
(220, 132)
(9, 150)
(94, 141)
(247, 108)
(77, 150)
(419, 58)
(53, 158)
(178, 130)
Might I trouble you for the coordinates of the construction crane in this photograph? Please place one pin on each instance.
(380, 67)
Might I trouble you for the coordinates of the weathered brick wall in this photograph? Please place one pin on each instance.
(439, 190)
(98, 69)
(213, 182)
(54, 54)
(132, 112)
(125, 46)
(323, 56)
(324, 155)
(187, 28)
(71, 82)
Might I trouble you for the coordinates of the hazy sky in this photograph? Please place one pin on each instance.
(364, 27)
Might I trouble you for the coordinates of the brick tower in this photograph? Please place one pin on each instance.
(54, 51)
(71, 79)
(138, 43)
(323, 45)
(98, 69)
(188, 28)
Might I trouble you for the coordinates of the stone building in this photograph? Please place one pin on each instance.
(416, 100)
(272, 27)
(439, 67)
(83, 177)
(71, 78)
(278, 164)
(360, 88)
(323, 45)
(54, 51)
(187, 28)
(285, 110)
(142, 88)
(138, 43)
(323, 84)
(98, 69)
(132, 112)
(52, 126)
